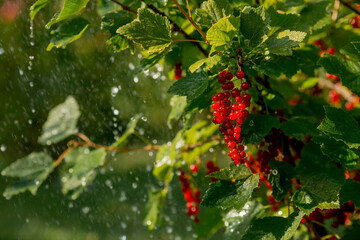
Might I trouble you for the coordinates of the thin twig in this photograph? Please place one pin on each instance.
(177, 28)
(62, 156)
(349, 6)
(188, 40)
(126, 8)
(188, 6)
(191, 20)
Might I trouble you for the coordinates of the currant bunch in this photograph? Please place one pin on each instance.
(192, 196)
(324, 48)
(230, 111)
(211, 168)
(178, 71)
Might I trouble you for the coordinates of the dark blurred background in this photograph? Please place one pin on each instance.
(32, 82)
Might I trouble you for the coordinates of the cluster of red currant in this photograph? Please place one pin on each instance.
(341, 216)
(178, 71)
(231, 114)
(323, 48)
(192, 196)
(211, 168)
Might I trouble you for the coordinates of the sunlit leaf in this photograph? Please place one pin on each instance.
(69, 8)
(67, 33)
(31, 171)
(79, 170)
(61, 122)
(150, 30)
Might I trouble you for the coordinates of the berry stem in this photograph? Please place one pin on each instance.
(124, 7)
(191, 20)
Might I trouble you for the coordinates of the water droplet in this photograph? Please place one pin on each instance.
(274, 172)
(131, 66)
(136, 79)
(251, 123)
(109, 184)
(148, 222)
(3, 148)
(116, 112)
(31, 57)
(134, 185)
(85, 210)
(37, 182)
(114, 91)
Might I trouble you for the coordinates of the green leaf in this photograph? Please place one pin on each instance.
(166, 158)
(150, 61)
(67, 33)
(113, 20)
(178, 105)
(210, 63)
(277, 65)
(274, 228)
(252, 26)
(192, 86)
(61, 122)
(210, 223)
(217, 9)
(339, 151)
(341, 126)
(350, 192)
(299, 127)
(283, 42)
(69, 8)
(313, 13)
(79, 170)
(232, 173)
(130, 129)
(31, 171)
(256, 127)
(237, 222)
(347, 71)
(223, 32)
(282, 21)
(321, 181)
(118, 43)
(352, 50)
(227, 195)
(153, 206)
(37, 6)
(280, 178)
(150, 30)
(202, 18)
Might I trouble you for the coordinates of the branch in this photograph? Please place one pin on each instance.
(349, 6)
(177, 28)
(126, 8)
(88, 143)
(190, 19)
(340, 89)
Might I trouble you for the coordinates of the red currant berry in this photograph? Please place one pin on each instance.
(246, 97)
(227, 95)
(235, 92)
(238, 99)
(245, 86)
(231, 145)
(240, 75)
(237, 129)
(223, 73)
(229, 76)
(194, 168)
(222, 80)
